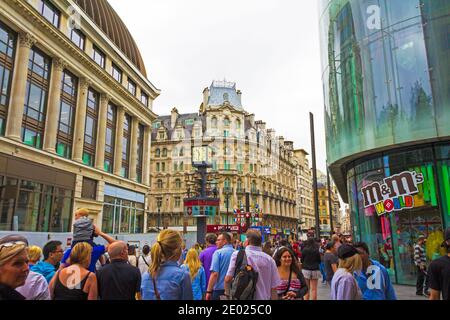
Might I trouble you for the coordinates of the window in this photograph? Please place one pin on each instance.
(66, 121)
(177, 202)
(238, 124)
(181, 152)
(36, 95)
(7, 52)
(175, 167)
(89, 189)
(144, 99)
(157, 153)
(99, 57)
(181, 166)
(126, 146)
(164, 152)
(251, 167)
(158, 167)
(240, 167)
(226, 122)
(226, 133)
(226, 165)
(188, 122)
(116, 73)
(162, 135)
(159, 184)
(178, 184)
(132, 87)
(78, 38)
(140, 152)
(110, 137)
(156, 125)
(90, 131)
(163, 167)
(214, 123)
(49, 12)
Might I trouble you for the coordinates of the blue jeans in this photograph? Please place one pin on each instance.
(322, 271)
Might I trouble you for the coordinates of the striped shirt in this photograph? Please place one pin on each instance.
(419, 255)
(295, 286)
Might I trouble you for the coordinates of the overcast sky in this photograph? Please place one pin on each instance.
(269, 48)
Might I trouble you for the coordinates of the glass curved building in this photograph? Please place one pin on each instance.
(386, 77)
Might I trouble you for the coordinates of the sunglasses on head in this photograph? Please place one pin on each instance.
(12, 244)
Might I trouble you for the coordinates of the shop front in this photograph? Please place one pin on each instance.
(396, 196)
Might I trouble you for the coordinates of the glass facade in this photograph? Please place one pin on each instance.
(386, 82)
(385, 73)
(123, 211)
(31, 206)
(7, 50)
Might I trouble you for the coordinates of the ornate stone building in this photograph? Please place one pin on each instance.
(248, 159)
(324, 209)
(305, 206)
(75, 117)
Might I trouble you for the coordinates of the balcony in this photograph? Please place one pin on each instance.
(265, 194)
(255, 192)
(240, 190)
(227, 190)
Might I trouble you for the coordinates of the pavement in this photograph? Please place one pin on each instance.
(403, 292)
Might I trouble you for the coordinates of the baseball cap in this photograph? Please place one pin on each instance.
(346, 251)
(446, 236)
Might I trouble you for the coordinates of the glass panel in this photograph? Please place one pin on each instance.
(108, 218)
(125, 220)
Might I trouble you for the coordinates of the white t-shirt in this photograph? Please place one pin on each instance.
(142, 265)
(35, 287)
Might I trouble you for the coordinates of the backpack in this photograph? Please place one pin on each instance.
(243, 286)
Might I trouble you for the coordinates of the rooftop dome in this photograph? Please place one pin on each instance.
(104, 16)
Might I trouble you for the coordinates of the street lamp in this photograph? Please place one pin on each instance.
(227, 199)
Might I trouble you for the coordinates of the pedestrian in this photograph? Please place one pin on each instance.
(34, 255)
(439, 273)
(183, 254)
(36, 286)
(165, 279)
(311, 267)
(13, 266)
(336, 239)
(144, 260)
(267, 248)
(118, 280)
(193, 266)
(268, 277)
(219, 267)
(330, 261)
(322, 250)
(83, 228)
(97, 250)
(53, 253)
(75, 282)
(343, 284)
(207, 254)
(132, 259)
(420, 260)
(374, 280)
(293, 284)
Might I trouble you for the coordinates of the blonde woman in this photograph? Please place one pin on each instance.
(343, 284)
(34, 255)
(193, 266)
(75, 282)
(165, 280)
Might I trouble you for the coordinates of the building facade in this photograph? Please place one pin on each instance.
(305, 205)
(75, 117)
(248, 160)
(387, 114)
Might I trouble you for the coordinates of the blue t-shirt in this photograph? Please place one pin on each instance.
(375, 284)
(97, 252)
(220, 263)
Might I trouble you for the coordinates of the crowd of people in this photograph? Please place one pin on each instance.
(222, 269)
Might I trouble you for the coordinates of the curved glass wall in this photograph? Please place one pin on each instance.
(386, 73)
(395, 197)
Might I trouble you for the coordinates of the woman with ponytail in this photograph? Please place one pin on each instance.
(165, 280)
(193, 266)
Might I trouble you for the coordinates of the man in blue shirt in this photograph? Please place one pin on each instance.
(52, 256)
(219, 267)
(373, 280)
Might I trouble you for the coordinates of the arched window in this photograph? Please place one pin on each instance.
(157, 153)
(178, 184)
(181, 152)
(175, 166)
(239, 184)
(226, 122)
(164, 152)
(227, 183)
(181, 166)
(159, 184)
(214, 123)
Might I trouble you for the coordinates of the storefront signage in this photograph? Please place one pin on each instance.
(221, 227)
(394, 193)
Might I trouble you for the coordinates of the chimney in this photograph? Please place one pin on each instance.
(173, 117)
(251, 119)
(281, 141)
(239, 95)
(205, 97)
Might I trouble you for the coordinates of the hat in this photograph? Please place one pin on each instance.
(421, 236)
(346, 251)
(446, 237)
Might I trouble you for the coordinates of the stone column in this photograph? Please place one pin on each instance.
(146, 157)
(119, 138)
(101, 132)
(80, 120)
(53, 107)
(18, 87)
(134, 148)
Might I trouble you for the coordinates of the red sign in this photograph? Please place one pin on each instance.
(202, 203)
(222, 227)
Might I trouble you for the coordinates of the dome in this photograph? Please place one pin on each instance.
(104, 16)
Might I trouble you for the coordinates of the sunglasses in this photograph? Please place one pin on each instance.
(12, 244)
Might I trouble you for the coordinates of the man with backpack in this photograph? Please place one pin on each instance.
(252, 274)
